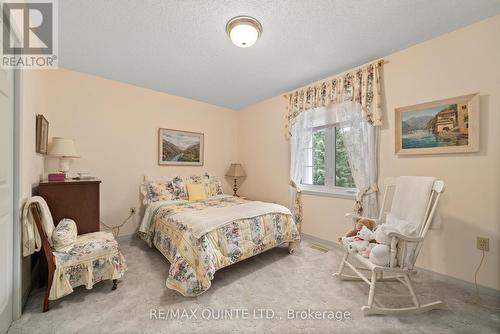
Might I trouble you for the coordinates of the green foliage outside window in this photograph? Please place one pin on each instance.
(343, 175)
(319, 157)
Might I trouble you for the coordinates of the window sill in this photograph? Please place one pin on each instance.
(335, 192)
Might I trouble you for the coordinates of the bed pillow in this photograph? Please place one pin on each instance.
(180, 191)
(196, 191)
(158, 190)
(200, 179)
(215, 186)
(64, 235)
(196, 179)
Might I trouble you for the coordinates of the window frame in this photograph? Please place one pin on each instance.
(329, 189)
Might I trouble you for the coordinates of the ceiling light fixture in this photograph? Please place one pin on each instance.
(243, 30)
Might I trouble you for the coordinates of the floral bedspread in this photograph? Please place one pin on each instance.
(193, 262)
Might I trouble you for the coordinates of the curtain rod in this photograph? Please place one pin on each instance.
(378, 62)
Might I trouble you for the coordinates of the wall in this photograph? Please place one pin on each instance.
(124, 119)
(33, 102)
(115, 128)
(458, 63)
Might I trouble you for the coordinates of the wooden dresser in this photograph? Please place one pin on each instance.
(75, 199)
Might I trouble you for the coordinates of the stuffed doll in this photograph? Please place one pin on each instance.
(360, 241)
(366, 253)
(380, 253)
(370, 224)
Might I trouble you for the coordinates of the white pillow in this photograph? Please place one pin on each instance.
(64, 235)
(401, 226)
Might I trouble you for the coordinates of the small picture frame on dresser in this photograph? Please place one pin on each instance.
(42, 134)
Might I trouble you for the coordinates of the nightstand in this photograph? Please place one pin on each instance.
(74, 199)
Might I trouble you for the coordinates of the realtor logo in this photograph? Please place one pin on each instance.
(29, 34)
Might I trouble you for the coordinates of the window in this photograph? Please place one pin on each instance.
(326, 167)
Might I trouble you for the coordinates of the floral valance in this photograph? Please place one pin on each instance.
(361, 85)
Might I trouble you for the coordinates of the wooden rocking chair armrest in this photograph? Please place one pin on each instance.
(404, 237)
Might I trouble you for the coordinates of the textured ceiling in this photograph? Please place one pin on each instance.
(181, 48)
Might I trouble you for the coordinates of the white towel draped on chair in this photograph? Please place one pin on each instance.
(31, 238)
(411, 198)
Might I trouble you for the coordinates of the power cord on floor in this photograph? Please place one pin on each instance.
(478, 296)
(116, 229)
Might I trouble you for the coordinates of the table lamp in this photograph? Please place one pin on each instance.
(65, 150)
(235, 171)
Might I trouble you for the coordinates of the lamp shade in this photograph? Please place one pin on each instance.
(63, 147)
(235, 170)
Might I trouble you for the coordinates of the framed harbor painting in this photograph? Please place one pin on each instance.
(439, 127)
(180, 148)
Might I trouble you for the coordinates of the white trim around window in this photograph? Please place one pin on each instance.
(329, 189)
(337, 192)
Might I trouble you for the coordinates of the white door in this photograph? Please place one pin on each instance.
(6, 196)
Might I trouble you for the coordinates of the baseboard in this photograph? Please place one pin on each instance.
(483, 290)
(325, 243)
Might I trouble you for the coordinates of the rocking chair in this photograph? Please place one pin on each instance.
(415, 200)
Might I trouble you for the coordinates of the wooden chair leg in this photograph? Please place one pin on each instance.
(115, 285)
(45, 306)
(47, 250)
(372, 289)
(342, 265)
(412, 292)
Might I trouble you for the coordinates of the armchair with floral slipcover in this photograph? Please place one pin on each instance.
(72, 259)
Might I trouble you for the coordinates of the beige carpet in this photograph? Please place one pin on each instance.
(273, 281)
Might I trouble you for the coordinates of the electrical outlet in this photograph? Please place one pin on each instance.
(483, 244)
(132, 210)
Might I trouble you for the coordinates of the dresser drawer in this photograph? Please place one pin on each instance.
(77, 200)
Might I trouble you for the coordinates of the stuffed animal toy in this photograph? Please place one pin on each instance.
(380, 253)
(366, 253)
(370, 224)
(359, 242)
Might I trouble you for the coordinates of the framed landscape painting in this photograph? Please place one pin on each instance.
(181, 148)
(42, 134)
(439, 127)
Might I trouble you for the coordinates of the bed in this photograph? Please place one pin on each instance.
(200, 237)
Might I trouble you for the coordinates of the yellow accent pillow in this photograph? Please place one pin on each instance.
(196, 192)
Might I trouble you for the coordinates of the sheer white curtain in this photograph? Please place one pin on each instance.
(360, 139)
(361, 142)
